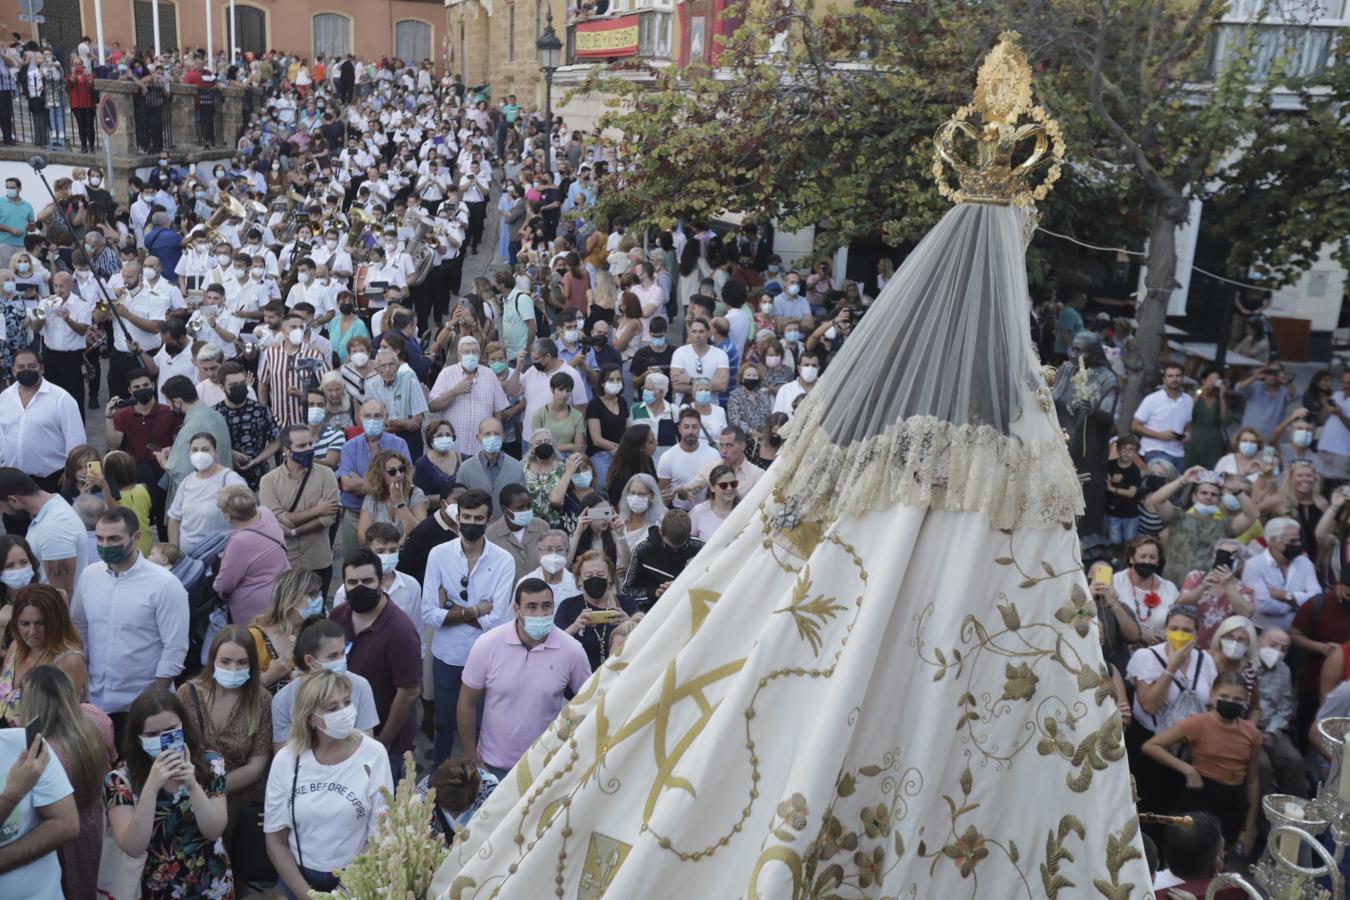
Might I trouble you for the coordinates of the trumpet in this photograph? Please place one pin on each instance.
(200, 321)
(49, 306)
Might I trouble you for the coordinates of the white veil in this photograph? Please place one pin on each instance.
(944, 382)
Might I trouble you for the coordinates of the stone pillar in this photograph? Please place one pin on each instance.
(182, 111)
(232, 108)
(122, 92)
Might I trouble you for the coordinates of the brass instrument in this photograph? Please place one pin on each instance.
(197, 323)
(228, 208)
(361, 220)
(48, 306)
(302, 249)
(423, 251)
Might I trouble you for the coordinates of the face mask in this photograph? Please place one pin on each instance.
(1205, 509)
(338, 665)
(766, 309)
(316, 415)
(258, 273)
(9, 287)
(809, 374)
(373, 427)
(302, 458)
(151, 743)
(595, 586)
(612, 388)
(794, 289)
(469, 361)
(793, 336)
(1247, 448)
(1293, 549)
(12, 193)
(16, 578)
(493, 443)
(1178, 639)
(583, 480)
(23, 268)
(95, 181)
(537, 627)
(201, 460)
(331, 245)
(223, 259)
(27, 377)
(1270, 657)
(303, 278)
(363, 599)
(1145, 570)
(659, 343)
(570, 337)
(552, 563)
(296, 336)
(229, 679)
(114, 554)
(360, 358)
(1231, 503)
(151, 274)
(238, 393)
(638, 503)
(1302, 438)
(472, 532)
(313, 608)
(544, 451)
(1233, 649)
(497, 367)
(831, 333)
(339, 723)
(1230, 709)
(649, 397)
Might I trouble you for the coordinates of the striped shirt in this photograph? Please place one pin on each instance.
(278, 371)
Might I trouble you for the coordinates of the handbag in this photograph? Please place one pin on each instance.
(119, 875)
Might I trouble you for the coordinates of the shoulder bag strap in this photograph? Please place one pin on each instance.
(295, 778)
(298, 494)
(1199, 664)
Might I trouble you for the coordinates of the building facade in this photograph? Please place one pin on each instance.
(412, 30)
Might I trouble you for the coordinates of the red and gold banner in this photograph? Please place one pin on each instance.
(607, 38)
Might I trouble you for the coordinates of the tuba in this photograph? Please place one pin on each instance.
(229, 208)
(423, 251)
(361, 220)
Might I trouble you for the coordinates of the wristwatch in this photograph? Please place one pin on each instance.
(295, 533)
(403, 504)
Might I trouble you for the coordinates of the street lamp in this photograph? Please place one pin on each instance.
(550, 48)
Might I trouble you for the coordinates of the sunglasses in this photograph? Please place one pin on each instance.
(398, 471)
(729, 484)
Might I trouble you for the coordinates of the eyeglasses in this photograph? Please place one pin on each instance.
(397, 471)
(729, 484)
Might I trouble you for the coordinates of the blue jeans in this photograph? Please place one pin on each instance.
(1121, 530)
(601, 462)
(447, 679)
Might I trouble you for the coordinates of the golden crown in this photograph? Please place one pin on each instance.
(992, 156)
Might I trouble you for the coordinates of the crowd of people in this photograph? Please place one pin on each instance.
(345, 487)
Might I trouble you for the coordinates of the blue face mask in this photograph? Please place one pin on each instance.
(793, 336)
(373, 427)
(314, 607)
(522, 518)
(702, 397)
(582, 479)
(537, 627)
(303, 458)
(649, 397)
(658, 343)
(493, 443)
(231, 679)
(1231, 503)
(336, 665)
(153, 747)
(1204, 509)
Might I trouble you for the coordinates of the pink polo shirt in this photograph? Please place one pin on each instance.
(523, 689)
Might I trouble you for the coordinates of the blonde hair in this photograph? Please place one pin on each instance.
(1230, 625)
(1286, 486)
(237, 503)
(316, 689)
(294, 583)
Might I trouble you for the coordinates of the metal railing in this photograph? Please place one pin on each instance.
(152, 119)
(654, 38)
(210, 117)
(46, 121)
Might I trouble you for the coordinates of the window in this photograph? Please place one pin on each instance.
(250, 29)
(1299, 50)
(511, 34)
(412, 41)
(145, 26)
(332, 35)
(654, 37)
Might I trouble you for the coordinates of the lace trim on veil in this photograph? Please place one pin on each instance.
(924, 461)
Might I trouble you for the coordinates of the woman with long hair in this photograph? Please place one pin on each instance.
(297, 596)
(640, 508)
(20, 569)
(74, 480)
(227, 703)
(167, 801)
(391, 495)
(634, 456)
(81, 736)
(323, 793)
(121, 486)
(707, 516)
(595, 531)
(41, 633)
(1301, 497)
(627, 335)
(769, 441)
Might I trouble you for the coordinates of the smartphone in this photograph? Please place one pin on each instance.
(601, 513)
(32, 730)
(94, 468)
(171, 741)
(1268, 453)
(604, 616)
(1223, 558)
(1103, 576)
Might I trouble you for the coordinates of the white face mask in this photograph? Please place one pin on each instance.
(360, 358)
(303, 278)
(258, 273)
(809, 374)
(339, 723)
(201, 460)
(552, 563)
(773, 361)
(613, 388)
(296, 336)
(1270, 657)
(639, 503)
(1233, 649)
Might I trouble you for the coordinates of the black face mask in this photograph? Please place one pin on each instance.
(1230, 709)
(1293, 549)
(143, 395)
(27, 377)
(751, 384)
(237, 393)
(1145, 570)
(595, 586)
(347, 309)
(775, 440)
(541, 366)
(363, 599)
(472, 531)
(1151, 483)
(544, 452)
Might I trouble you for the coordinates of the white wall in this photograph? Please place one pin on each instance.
(32, 190)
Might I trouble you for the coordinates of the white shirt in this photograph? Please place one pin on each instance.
(169, 366)
(1160, 412)
(36, 439)
(714, 421)
(680, 466)
(194, 507)
(492, 579)
(135, 629)
(163, 287)
(57, 333)
(787, 395)
(146, 304)
(748, 475)
(695, 366)
(57, 532)
(1147, 663)
(704, 521)
(335, 807)
(39, 879)
(565, 588)
(1133, 598)
(1335, 436)
(1261, 573)
(538, 393)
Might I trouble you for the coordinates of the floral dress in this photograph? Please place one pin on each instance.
(540, 485)
(16, 328)
(180, 863)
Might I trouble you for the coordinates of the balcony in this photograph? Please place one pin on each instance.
(644, 35)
